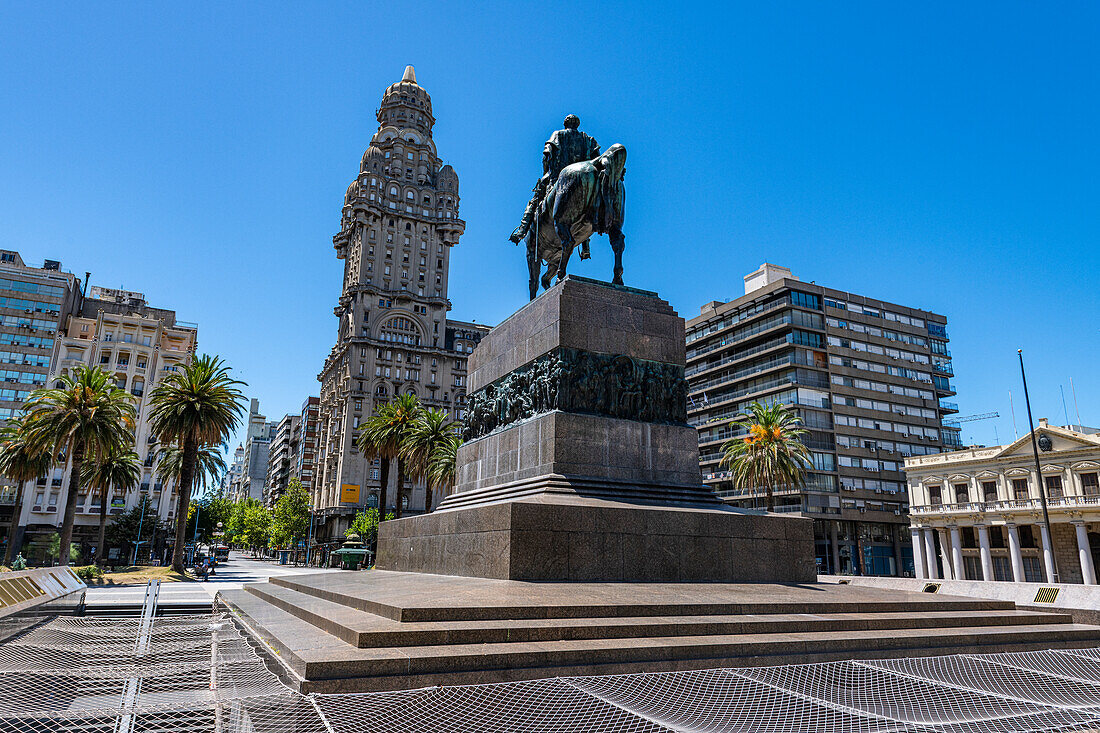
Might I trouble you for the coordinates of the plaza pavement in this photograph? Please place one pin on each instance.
(240, 569)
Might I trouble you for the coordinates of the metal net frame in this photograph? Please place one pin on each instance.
(202, 674)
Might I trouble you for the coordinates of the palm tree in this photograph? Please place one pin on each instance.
(209, 465)
(83, 416)
(431, 431)
(197, 407)
(21, 464)
(441, 463)
(121, 468)
(771, 454)
(382, 437)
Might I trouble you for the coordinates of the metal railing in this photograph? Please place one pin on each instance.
(1068, 502)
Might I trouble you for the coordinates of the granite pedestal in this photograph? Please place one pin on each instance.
(579, 464)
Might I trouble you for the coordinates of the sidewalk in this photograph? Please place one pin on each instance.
(240, 569)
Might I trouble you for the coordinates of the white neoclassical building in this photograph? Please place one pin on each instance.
(976, 514)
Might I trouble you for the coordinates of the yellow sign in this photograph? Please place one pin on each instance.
(349, 493)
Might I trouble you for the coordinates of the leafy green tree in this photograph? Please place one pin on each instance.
(425, 437)
(53, 549)
(123, 532)
(121, 468)
(365, 525)
(211, 510)
(20, 463)
(251, 524)
(84, 416)
(771, 454)
(382, 436)
(290, 517)
(197, 407)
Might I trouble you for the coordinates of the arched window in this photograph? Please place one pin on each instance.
(400, 330)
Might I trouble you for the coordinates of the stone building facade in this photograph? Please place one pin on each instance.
(976, 514)
(399, 224)
(139, 344)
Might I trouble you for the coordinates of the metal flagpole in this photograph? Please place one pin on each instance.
(1076, 409)
(1039, 472)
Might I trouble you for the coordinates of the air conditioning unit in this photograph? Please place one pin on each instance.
(897, 512)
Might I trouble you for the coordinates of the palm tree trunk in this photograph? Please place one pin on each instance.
(400, 489)
(384, 489)
(9, 554)
(101, 550)
(70, 504)
(187, 474)
(427, 495)
(771, 497)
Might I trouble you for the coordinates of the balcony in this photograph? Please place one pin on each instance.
(949, 406)
(1009, 507)
(943, 367)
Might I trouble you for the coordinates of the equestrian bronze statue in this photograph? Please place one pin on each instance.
(576, 197)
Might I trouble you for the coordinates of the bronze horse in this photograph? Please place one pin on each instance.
(588, 198)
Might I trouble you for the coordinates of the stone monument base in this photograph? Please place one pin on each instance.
(569, 537)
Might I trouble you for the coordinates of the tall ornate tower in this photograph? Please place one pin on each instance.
(398, 225)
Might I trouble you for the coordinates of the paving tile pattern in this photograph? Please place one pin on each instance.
(200, 674)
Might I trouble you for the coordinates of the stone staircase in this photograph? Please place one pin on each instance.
(377, 630)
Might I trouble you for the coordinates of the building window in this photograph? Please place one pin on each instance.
(1090, 482)
(1019, 489)
(989, 491)
(1054, 486)
(934, 496)
(962, 494)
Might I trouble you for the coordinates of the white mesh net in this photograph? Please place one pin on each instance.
(202, 674)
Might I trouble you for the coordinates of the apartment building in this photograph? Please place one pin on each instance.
(259, 434)
(399, 223)
(280, 462)
(120, 332)
(869, 379)
(33, 303)
(977, 514)
(292, 451)
(306, 455)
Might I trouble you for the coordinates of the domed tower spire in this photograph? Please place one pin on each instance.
(410, 74)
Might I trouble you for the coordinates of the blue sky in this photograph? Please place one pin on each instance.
(940, 155)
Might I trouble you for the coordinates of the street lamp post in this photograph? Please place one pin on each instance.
(1039, 472)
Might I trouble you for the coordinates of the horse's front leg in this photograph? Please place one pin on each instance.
(534, 264)
(566, 238)
(618, 244)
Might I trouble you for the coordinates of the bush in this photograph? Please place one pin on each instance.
(88, 572)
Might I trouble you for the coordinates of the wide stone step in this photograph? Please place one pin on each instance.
(329, 664)
(424, 598)
(363, 629)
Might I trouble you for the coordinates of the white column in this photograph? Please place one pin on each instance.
(1048, 553)
(957, 554)
(983, 547)
(1084, 551)
(930, 553)
(918, 553)
(1014, 553)
(945, 555)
